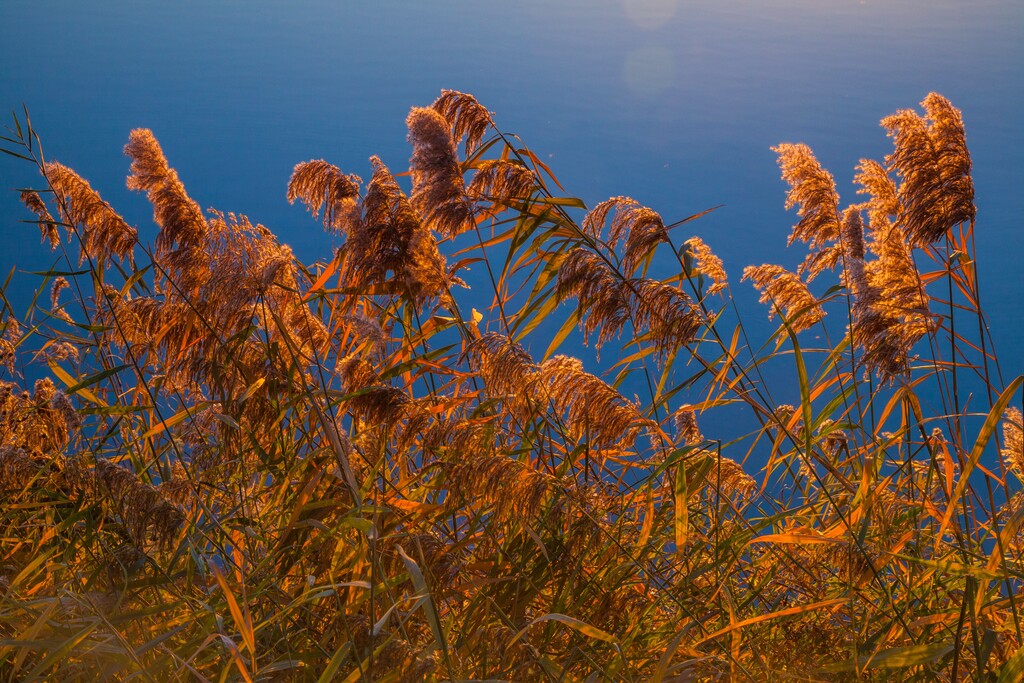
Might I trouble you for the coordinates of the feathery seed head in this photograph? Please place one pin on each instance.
(181, 221)
(320, 185)
(501, 182)
(47, 226)
(466, 117)
(104, 232)
(708, 264)
(1013, 441)
(438, 190)
(930, 157)
(685, 420)
(595, 410)
(787, 294)
(813, 190)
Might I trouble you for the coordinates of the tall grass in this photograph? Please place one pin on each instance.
(235, 466)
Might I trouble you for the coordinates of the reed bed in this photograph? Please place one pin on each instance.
(220, 463)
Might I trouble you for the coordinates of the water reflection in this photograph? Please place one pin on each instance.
(648, 70)
(650, 14)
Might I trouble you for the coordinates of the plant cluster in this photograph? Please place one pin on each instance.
(235, 466)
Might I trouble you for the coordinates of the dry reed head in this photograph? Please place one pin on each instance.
(60, 402)
(831, 439)
(9, 343)
(363, 331)
(788, 295)
(852, 240)
(41, 423)
(320, 185)
(890, 312)
(669, 315)
(501, 182)
(506, 367)
(595, 410)
(391, 238)
(896, 275)
(708, 264)
(874, 179)
(47, 226)
(608, 302)
(1013, 441)
(181, 221)
(438, 190)
(141, 506)
(55, 352)
(104, 232)
(728, 478)
(464, 115)
(639, 227)
(369, 398)
(602, 297)
(514, 490)
(685, 420)
(18, 469)
(60, 283)
(813, 190)
(930, 156)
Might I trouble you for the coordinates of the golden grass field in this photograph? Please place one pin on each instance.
(218, 463)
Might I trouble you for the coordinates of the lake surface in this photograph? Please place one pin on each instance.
(674, 103)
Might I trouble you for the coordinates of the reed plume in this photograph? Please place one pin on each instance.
(1013, 441)
(40, 423)
(18, 469)
(390, 238)
(813, 191)
(729, 478)
(513, 490)
(104, 232)
(181, 221)
(788, 295)
(438, 189)
(60, 283)
(601, 296)
(47, 226)
(608, 302)
(708, 265)
(466, 117)
(930, 157)
(141, 507)
(854, 274)
(726, 476)
(883, 205)
(669, 315)
(685, 421)
(320, 185)
(363, 330)
(370, 399)
(9, 343)
(595, 411)
(890, 312)
(640, 228)
(506, 367)
(501, 182)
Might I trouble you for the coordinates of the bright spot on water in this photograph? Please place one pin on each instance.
(649, 70)
(650, 14)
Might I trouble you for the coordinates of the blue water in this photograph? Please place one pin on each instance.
(674, 103)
